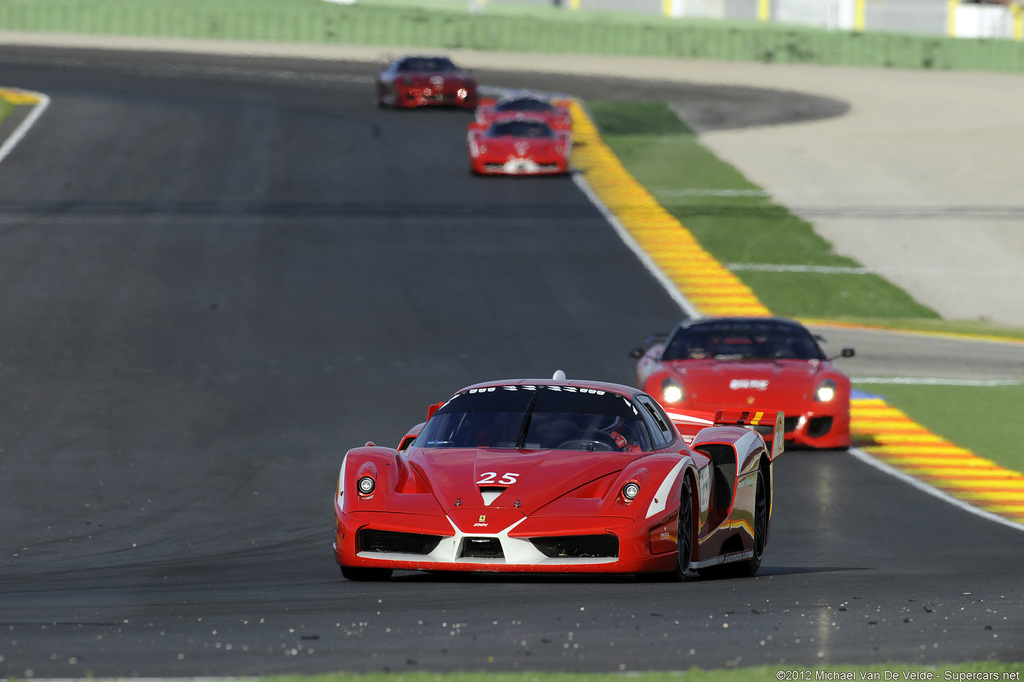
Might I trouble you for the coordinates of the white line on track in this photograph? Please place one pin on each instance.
(935, 381)
(774, 267)
(711, 193)
(23, 127)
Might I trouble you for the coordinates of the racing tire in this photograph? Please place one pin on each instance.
(684, 532)
(750, 566)
(366, 574)
(684, 541)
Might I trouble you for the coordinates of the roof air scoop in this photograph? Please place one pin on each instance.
(559, 375)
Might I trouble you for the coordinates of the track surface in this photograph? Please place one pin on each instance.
(215, 280)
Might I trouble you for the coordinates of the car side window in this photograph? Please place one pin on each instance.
(662, 431)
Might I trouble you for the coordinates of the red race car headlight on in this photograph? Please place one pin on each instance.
(671, 391)
(825, 391)
(366, 485)
(630, 491)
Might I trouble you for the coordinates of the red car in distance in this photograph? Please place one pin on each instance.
(518, 146)
(425, 81)
(526, 105)
(751, 363)
(560, 476)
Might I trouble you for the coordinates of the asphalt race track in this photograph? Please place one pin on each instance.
(217, 276)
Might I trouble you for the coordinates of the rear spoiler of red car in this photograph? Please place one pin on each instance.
(771, 426)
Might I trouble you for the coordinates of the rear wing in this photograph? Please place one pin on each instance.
(771, 426)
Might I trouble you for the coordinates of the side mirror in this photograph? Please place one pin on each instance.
(637, 353)
(848, 353)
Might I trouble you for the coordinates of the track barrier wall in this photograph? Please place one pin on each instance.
(551, 31)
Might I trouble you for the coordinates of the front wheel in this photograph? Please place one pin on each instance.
(684, 532)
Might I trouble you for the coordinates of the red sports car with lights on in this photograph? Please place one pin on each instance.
(526, 105)
(559, 476)
(425, 81)
(752, 364)
(520, 146)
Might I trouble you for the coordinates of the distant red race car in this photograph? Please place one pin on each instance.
(557, 476)
(519, 146)
(752, 364)
(526, 105)
(425, 81)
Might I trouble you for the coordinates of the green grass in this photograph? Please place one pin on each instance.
(5, 109)
(661, 152)
(753, 674)
(675, 167)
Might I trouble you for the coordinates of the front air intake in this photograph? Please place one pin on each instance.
(388, 542)
(481, 548)
(578, 546)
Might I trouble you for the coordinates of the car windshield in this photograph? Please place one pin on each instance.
(524, 104)
(527, 417)
(520, 129)
(426, 64)
(742, 340)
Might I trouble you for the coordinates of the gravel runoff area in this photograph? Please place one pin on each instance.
(920, 181)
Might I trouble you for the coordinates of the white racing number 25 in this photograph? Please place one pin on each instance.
(492, 478)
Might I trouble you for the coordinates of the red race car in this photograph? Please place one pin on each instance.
(526, 105)
(425, 81)
(518, 146)
(751, 364)
(557, 476)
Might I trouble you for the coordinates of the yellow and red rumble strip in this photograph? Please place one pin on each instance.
(890, 436)
(878, 429)
(17, 97)
(705, 282)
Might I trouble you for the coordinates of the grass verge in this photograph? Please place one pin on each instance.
(737, 223)
(533, 27)
(5, 109)
(895, 671)
(734, 221)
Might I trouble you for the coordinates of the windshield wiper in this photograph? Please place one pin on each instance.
(521, 440)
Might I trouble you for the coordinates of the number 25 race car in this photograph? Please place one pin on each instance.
(558, 476)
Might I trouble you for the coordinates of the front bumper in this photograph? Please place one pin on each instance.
(532, 545)
(821, 430)
(409, 96)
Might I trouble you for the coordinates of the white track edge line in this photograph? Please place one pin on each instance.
(688, 308)
(23, 127)
(933, 491)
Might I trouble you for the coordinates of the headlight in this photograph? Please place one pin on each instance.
(826, 391)
(631, 490)
(366, 484)
(671, 391)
